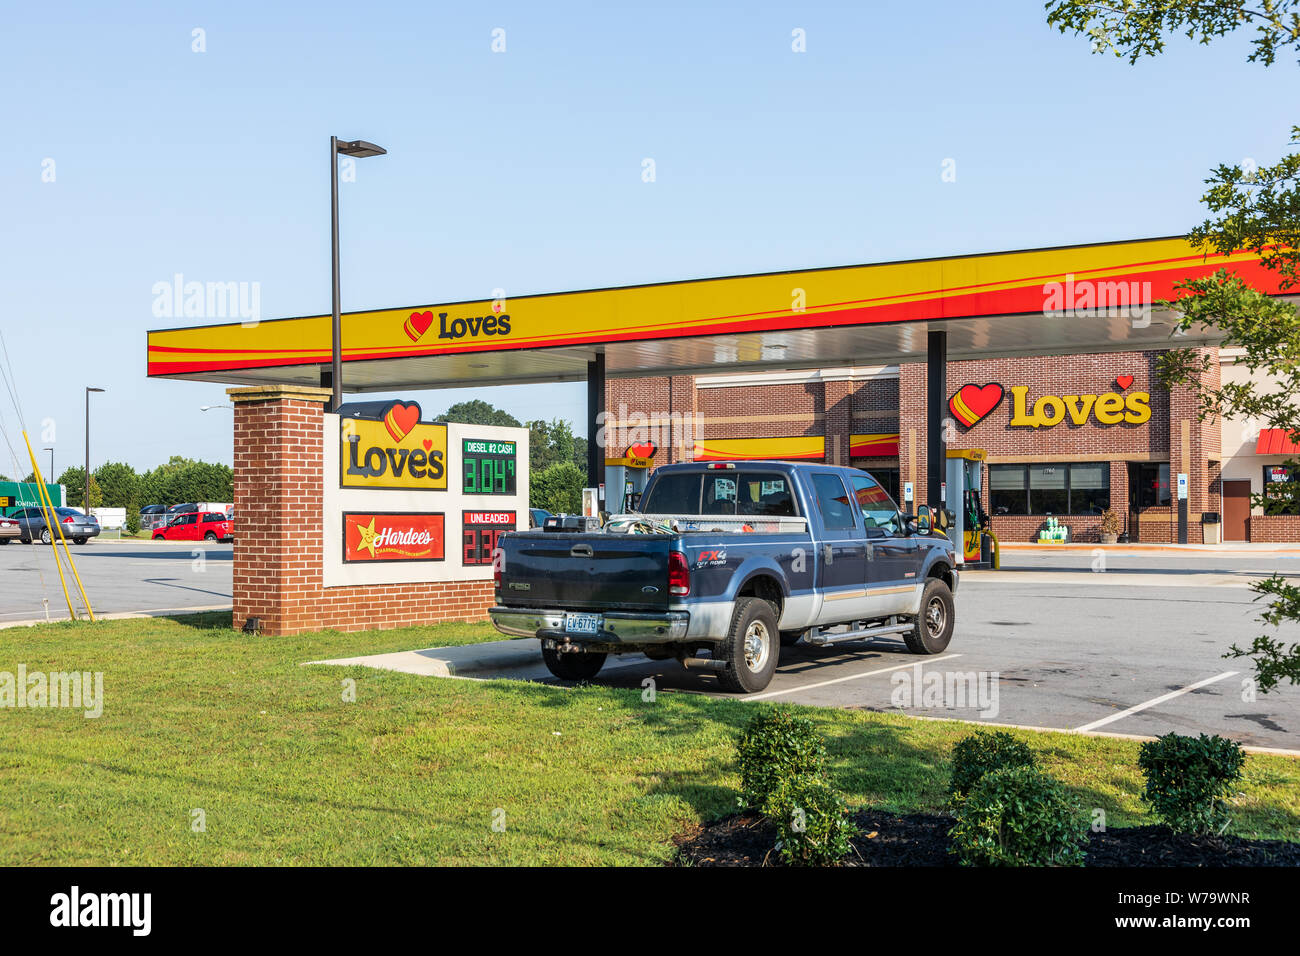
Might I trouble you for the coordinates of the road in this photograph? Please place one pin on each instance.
(118, 576)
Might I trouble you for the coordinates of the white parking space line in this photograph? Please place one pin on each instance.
(1155, 700)
(841, 680)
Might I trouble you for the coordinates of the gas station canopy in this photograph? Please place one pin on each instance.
(1069, 299)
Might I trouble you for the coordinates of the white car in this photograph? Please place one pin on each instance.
(9, 530)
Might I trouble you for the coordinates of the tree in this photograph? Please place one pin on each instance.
(558, 488)
(183, 479)
(1254, 209)
(120, 484)
(478, 412)
(74, 482)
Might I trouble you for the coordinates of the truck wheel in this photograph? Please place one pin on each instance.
(751, 649)
(932, 629)
(575, 665)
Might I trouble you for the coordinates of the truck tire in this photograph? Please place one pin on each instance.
(932, 629)
(752, 647)
(575, 665)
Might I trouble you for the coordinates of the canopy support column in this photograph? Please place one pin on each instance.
(595, 421)
(936, 449)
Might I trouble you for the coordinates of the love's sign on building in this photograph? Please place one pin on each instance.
(972, 403)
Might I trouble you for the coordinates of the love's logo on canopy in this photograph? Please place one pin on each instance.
(396, 450)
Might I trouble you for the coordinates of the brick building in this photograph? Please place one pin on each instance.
(1108, 436)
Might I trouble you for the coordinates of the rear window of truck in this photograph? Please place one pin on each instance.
(722, 493)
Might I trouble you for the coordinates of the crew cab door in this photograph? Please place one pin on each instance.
(893, 559)
(842, 551)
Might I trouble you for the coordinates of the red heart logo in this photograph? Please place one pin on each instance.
(645, 449)
(428, 444)
(1123, 381)
(400, 419)
(417, 325)
(970, 403)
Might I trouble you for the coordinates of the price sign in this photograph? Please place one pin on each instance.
(480, 531)
(488, 467)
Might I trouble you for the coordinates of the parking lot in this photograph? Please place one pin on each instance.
(119, 576)
(1060, 640)
(1046, 642)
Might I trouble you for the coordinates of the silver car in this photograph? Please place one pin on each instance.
(77, 526)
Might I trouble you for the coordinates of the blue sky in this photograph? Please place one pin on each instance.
(522, 170)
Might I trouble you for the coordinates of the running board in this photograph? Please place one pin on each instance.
(819, 640)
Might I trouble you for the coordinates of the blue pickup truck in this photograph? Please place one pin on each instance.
(725, 563)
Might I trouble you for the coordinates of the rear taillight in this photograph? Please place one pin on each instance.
(679, 575)
(67, 520)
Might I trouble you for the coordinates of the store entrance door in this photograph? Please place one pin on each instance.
(1236, 509)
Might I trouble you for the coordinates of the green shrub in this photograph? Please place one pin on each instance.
(1188, 779)
(1018, 816)
(976, 755)
(776, 745)
(812, 822)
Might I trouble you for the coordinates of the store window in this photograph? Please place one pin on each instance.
(1061, 488)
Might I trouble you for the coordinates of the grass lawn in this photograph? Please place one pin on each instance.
(198, 716)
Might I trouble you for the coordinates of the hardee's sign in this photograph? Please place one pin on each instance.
(971, 404)
(392, 537)
(397, 451)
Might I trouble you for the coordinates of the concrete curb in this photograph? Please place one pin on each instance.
(465, 660)
(122, 615)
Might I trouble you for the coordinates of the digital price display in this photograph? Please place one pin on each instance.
(488, 467)
(481, 529)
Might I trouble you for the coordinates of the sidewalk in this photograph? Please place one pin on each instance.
(1228, 547)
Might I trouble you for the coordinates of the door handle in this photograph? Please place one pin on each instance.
(581, 550)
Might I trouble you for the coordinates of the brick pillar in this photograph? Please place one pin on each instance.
(278, 486)
(682, 401)
(839, 420)
(912, 429)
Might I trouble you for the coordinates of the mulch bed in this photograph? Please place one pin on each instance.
(921, 839)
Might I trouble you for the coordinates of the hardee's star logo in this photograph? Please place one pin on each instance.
(368, 537)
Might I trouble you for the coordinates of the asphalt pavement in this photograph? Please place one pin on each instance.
(1130, 645)
(119, 576)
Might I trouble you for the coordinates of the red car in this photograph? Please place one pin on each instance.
(197, 526)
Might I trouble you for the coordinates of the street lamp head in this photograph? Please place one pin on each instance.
(91, 388)
(360, 148)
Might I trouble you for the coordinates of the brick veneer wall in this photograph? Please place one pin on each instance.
(866, 406)
(279, 531)
(1276, 528)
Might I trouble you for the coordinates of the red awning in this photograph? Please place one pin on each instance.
(1276, 441)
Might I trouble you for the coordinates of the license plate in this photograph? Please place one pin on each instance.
(581, 624)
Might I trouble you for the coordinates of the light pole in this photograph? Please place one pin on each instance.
(85, 504)
(51, 451)
(358, 148)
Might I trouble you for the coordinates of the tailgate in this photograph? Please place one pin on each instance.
(599, 571)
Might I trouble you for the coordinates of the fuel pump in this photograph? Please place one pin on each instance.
(625, 480)
(969, 531)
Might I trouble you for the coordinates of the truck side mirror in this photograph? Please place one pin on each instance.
(923, 520)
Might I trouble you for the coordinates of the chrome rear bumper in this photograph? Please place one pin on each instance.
(615, 627)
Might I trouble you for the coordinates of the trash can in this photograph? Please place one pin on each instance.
(1211, 527)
